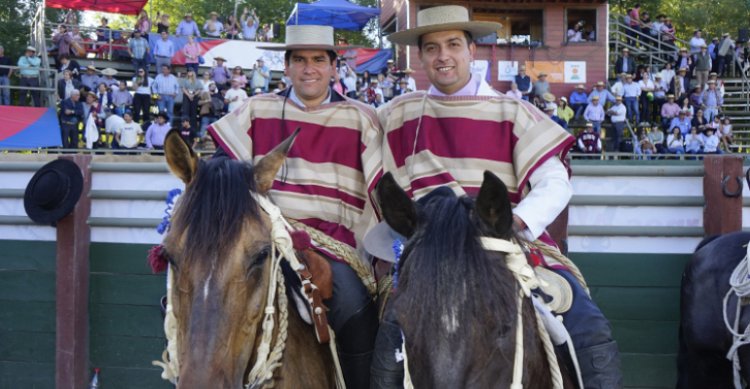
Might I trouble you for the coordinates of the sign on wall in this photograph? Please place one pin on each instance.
(553, 69)
(480, 67)
(575, 72)
(507, 70)
(568, 72)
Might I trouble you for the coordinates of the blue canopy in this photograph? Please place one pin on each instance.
(339, 14)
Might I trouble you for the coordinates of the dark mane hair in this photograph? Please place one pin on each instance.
(214, 207)
(444, 266)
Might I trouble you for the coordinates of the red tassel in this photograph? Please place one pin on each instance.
(157, 259)
(301, 240)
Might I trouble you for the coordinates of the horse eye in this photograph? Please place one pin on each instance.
(261, 256)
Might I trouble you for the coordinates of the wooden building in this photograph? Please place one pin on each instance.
(534, 33)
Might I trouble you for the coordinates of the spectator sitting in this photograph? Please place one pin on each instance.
(261, 76)
(655, 135)
(186, 131)
(696, 98)
(660, 95)
(603, 94)
(688, 108)
(122, 99)
(550, 108)
(644, 144)
(575, 33)
(373, 94)
(618, 88)
(157, 132)
(126, 134)
(524, 82)
(235, 96)
(104, 96)
(71, 113)
(213, 27)
(578, 100)
(682, 121)
(232, 27)
(727, 137)
(514, 92)
(67, 85)
(188, 26)
(109, 78)
(192, 51)
(588, 141)
(163, 51)
(675, 142)
(211, 107)
(257, 91)
(693, 142)
(163, 24)
(541, 86)
(711, 142)
(564, 111)
(219, 73)
(594, 114)
(625, 64)
(401, 89)
(699, 119)
(250, 25)
(239, 76)
(65, 63)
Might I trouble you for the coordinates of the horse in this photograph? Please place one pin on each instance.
(704, 339)
(455, 302)
(219, 250)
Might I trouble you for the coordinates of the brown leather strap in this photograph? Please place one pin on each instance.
(317, 308)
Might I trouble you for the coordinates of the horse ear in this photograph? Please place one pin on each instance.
(493, 204)
(398, 209)
(181, 159)
(268, 166)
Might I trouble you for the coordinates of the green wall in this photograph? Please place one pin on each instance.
(639, 293)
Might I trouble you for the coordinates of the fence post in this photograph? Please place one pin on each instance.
(72, 289)
(723, 183)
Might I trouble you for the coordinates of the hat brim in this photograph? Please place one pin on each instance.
(41, 215)
(379, 242)
(306, 47)
(477, 29)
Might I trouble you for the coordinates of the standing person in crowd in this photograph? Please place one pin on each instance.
(232, 27)
(725, 54)
(187, 132)
(138, 48)
(594, 114)
(401, 88)
(143, 24)
(619, 85)
(63, 39)
(187, 26)
(157, 132)
(163, 24)
(564, 111)
(660, 96)
(696, 42)
(239, 76)
(386, 84)
(213, 27)
(71, 113)
(669, 37)
(647, 86)
(631, 92)
(250, 23)
(28, 69)
(445, 34)
(219, 73)
(657, 26)
(713, 48)
(5, 73)
(211, 105)
(366, 77)
(206, 80)
(684, 60)
(261, 77)
(191, 89)
(514, 91)
(667, 73)
(142, 98)
(617, 115)
(103, 38)
(541, 86)
(634, 22)
(524, 82)
(702, 65)
(65, 63)
(127, 133)
(680, 84)
(676, 142)
(163, 51)
(646, 25)
(122, 99)
(165, 86)
(712, 100)
(669, 111)
(605, 96)
(350, 82)
(192, 51)
(579, 100)
(411, 83)
(66, 85)
(373, 94)
(235, 96)
(268, 32)
(625, 63)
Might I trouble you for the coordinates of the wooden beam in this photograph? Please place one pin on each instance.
(722, 187)
(72, 289)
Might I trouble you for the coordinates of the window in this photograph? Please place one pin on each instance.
(520, 27)
(580, 25)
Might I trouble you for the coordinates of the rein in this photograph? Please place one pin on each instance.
(739, 283)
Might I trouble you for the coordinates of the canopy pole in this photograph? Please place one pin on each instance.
(380, 26)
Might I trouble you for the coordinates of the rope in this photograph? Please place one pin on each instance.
(739, 283)
(517, 382)
(169, 362)
(549, 350)
(343, 251)
(554, 253)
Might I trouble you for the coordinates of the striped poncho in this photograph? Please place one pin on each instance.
(331, 167)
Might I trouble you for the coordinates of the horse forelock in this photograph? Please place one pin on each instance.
(451, 290)
(214, 209)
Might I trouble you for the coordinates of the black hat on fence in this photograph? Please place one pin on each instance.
(53, 191)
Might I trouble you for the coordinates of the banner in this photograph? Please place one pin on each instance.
(507, 70)
(575, 72)
(28, 128)
(481, 68)
(554, 70)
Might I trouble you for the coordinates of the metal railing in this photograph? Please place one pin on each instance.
(48, 93)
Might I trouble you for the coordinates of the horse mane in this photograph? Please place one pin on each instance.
(445, 270)
(214, 207)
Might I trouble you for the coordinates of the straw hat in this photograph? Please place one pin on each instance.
(220, 58)
(580, 86)
(600, 83)
(31, 48)
(408, 70)
(109, 72)
(91, 67)
(443, 18)
(548, 97)
(308, 37)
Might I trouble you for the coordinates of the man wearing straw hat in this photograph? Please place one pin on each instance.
(332, 167)
(426, 146)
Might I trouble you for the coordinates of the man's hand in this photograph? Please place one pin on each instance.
(518, 224)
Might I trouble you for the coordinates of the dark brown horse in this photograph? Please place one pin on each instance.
(456, 302)
(219, 246)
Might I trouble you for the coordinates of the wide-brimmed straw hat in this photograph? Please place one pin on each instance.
(443, 18)
(308, 37)
(31, 48)
(109, 72)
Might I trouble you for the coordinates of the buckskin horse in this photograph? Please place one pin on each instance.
(220, 254)
(455, 301)
(704, 337)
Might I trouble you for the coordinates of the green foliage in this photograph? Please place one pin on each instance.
(15, 28)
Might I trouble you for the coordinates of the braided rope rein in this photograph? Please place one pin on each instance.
(739, 283)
